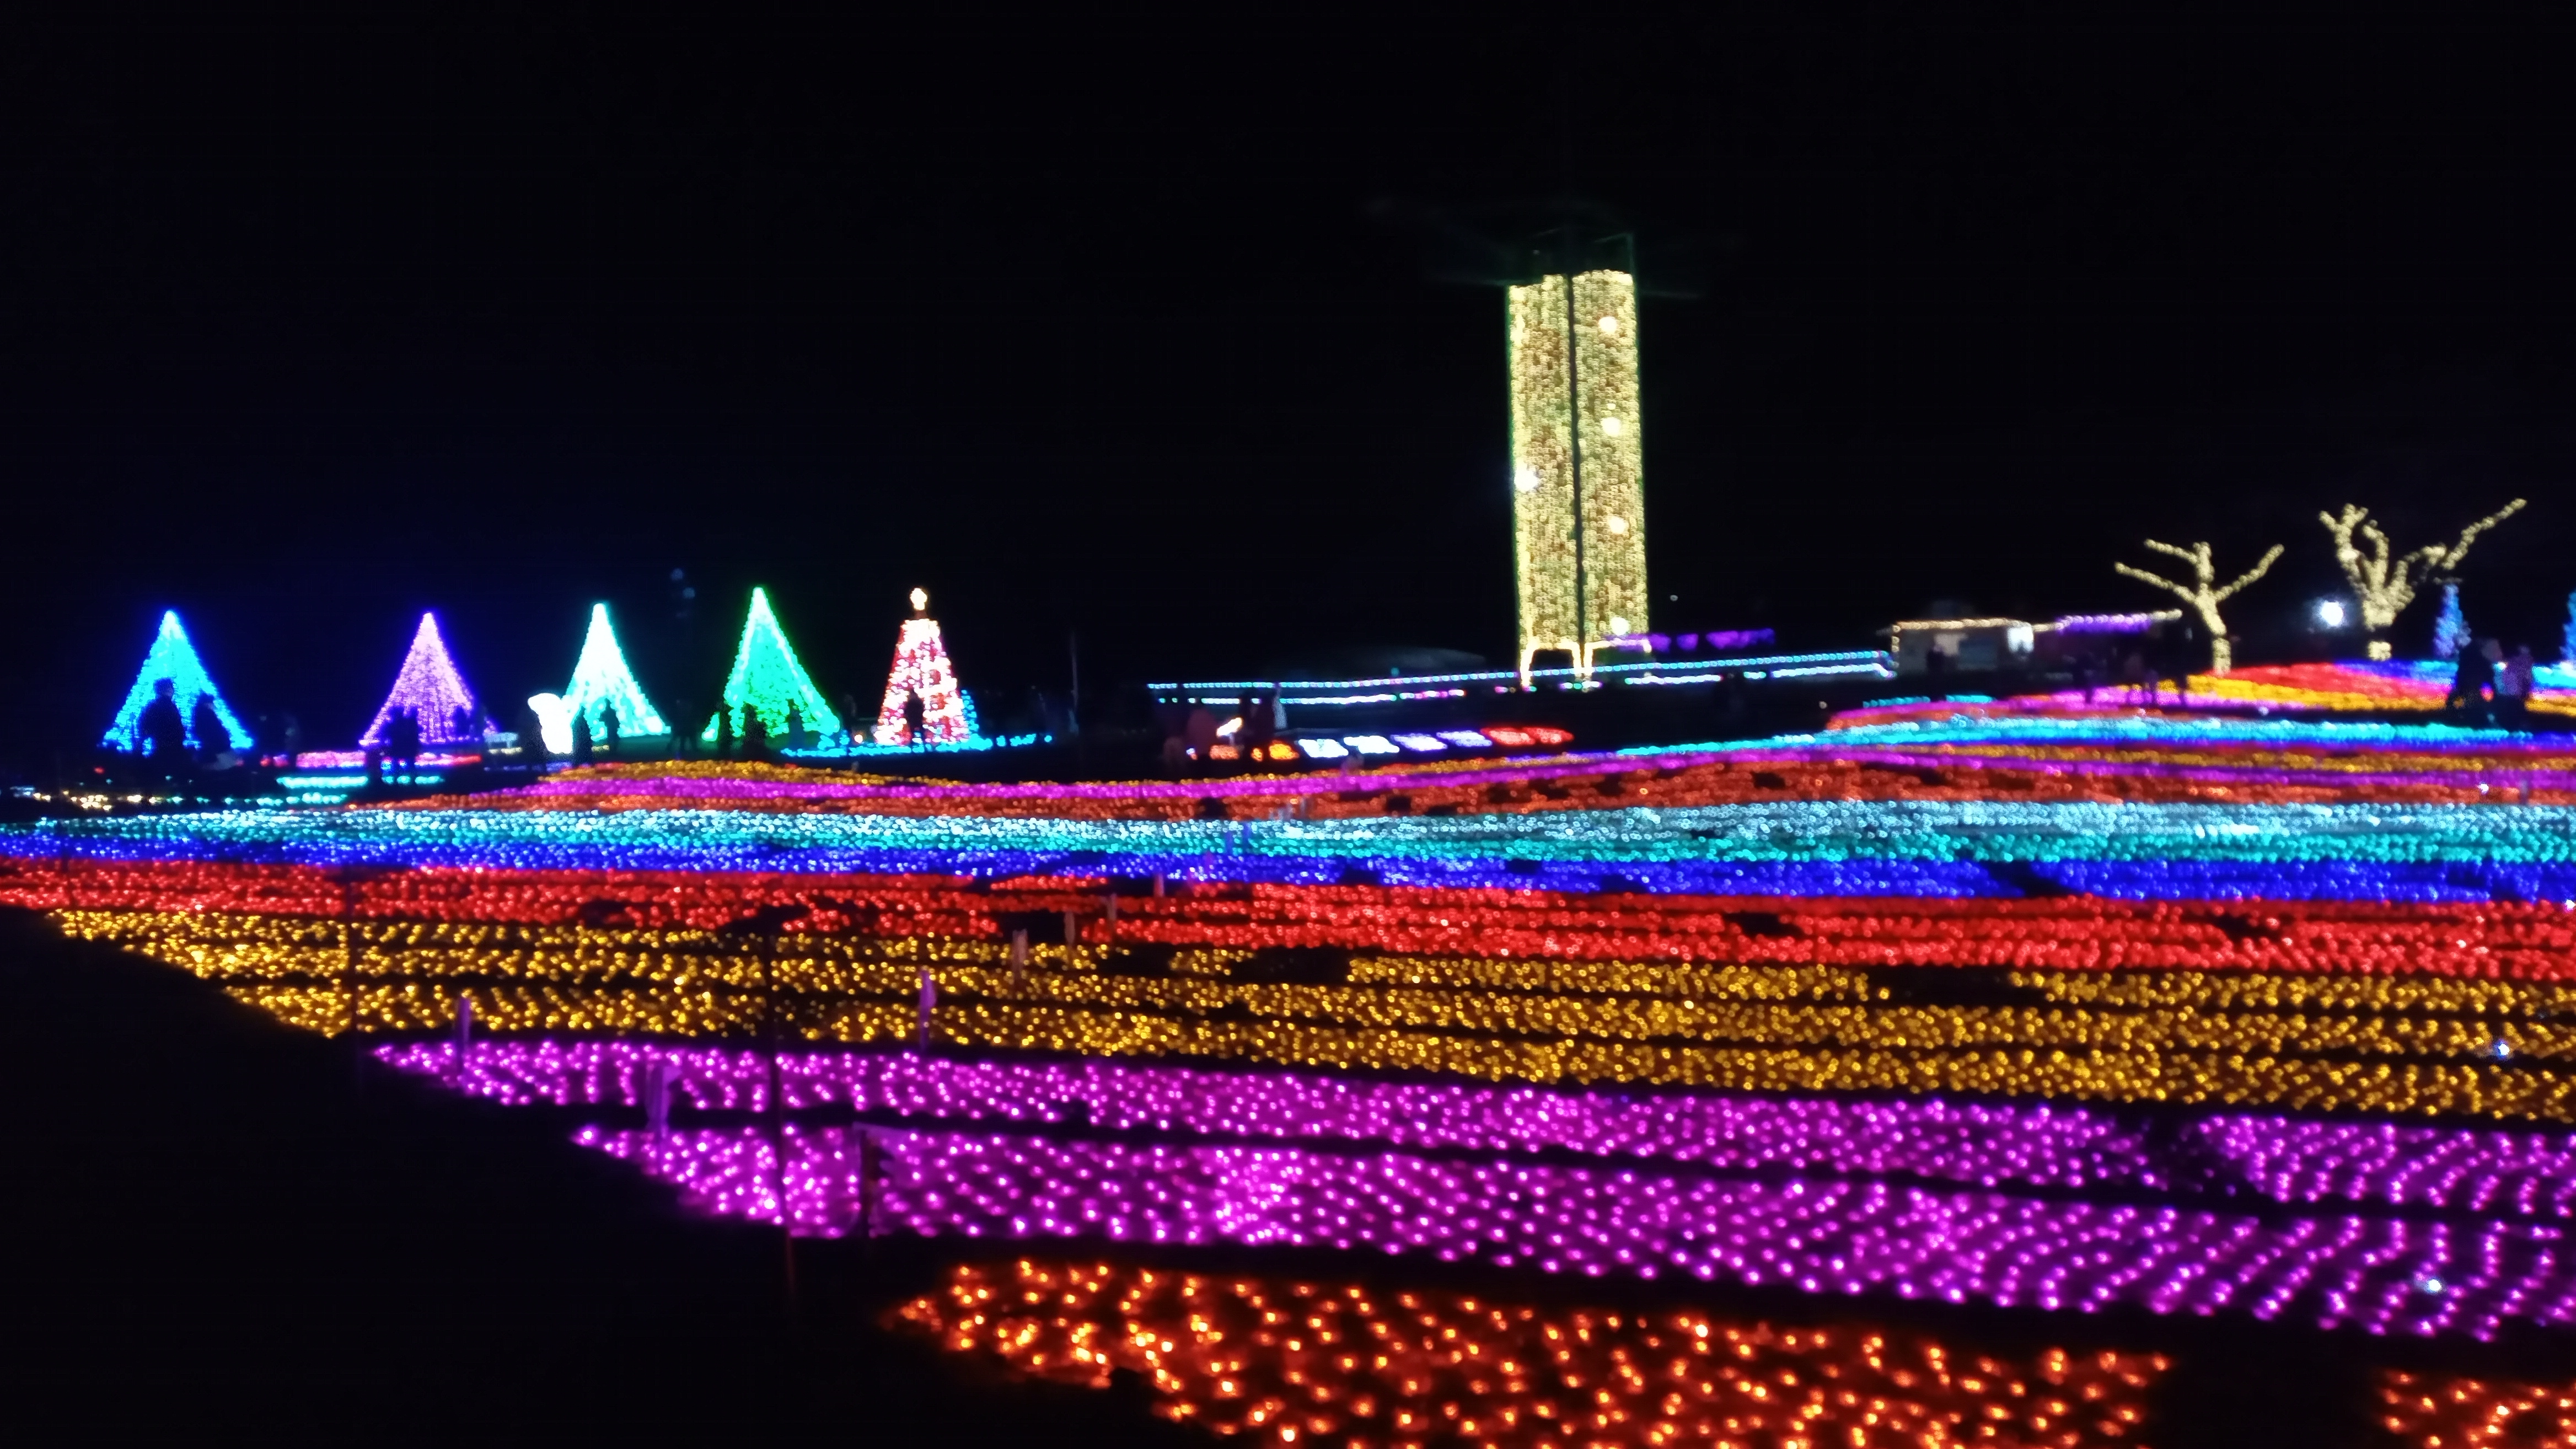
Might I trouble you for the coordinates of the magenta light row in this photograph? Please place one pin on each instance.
(2285, 1159)
(2382, 1275)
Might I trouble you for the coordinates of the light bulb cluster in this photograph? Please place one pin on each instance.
(2378, 1274)
(2109, 759)
(2458, 1411)
(1375, 1368)
(2226, 1156)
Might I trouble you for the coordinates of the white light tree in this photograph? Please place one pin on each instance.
(2385, 585)
(2202, 593)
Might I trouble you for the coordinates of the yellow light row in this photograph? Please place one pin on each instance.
(2143, 1073)
(214, 944)
(622, 981)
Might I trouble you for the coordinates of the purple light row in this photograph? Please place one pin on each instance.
(2288, 1160)
(1964, 1246)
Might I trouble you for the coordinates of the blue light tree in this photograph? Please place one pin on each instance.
(173, 658)
(2450, 628)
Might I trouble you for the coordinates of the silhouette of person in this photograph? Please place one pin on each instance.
(213, 740)
(162, 733)
(795, 726)
(2470, 681)
(1174, 719)
(1201, 732)
(402, 743)
(1259, 725)
(913, 720)
(460, 725)
(608, 730)
(532, 735)
(2513, 691)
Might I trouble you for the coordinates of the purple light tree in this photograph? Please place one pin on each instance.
(432, 689)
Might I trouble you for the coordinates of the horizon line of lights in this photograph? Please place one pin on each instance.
(1769, 662)
(2043, 833)
(1707, 639)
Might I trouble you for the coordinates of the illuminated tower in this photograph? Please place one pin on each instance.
(1578, 475)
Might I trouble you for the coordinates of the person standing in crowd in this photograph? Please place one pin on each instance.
(1174, 717)
(2471, 681)
(213, 741)
(1259, 727)
(402, 744)
(163, 731)
(2513, 691)
(1201, 733)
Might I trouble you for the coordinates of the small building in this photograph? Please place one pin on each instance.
(1976, 645)
(1985, 645)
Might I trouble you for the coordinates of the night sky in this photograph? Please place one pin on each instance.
(1167, 332)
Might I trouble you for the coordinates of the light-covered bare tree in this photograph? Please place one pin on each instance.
(2383, 585)
(2203, 593)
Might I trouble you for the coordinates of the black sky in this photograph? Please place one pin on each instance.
(1134, 326)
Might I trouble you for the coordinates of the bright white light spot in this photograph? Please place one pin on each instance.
(2330, 613)
(1618, 623)
(1226, 730)
(554, 721)
(1612, 426)
(1609, 326)
(1615, 524)
(920, 599)
(1526, 480)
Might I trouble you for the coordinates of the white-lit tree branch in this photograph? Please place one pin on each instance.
(2203, 593)
(2383, 585)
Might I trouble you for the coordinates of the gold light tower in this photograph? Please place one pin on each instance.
(1578, 474)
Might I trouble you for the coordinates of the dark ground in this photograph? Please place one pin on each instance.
(220, 1230)
(218, 1235)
